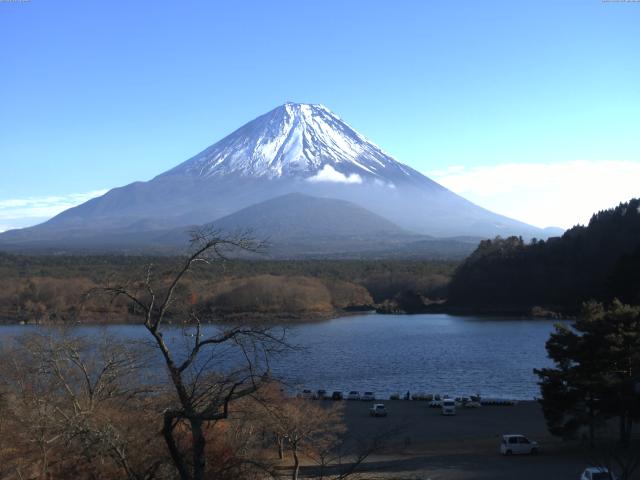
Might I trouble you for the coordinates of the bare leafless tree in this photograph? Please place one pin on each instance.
(76, 407)
(202, 382)
(304, 427)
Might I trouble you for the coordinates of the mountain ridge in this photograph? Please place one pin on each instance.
(293, 148)
(292, 226)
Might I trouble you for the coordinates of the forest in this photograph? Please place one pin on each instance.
(56, 289)
(600, 261)
(554, 277)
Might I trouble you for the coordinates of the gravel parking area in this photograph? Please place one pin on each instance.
(423, 444)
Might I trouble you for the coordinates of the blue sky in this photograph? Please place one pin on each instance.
(491, 98)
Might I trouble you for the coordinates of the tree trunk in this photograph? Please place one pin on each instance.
(628, 424)
(621, 429)
(280, 441)
(45, 463)
(625, 429)
(199, 441)
(296, 464)
(176, 456)
(591, 426)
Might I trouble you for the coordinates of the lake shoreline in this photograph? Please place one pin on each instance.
(534, 312)
(290, 319)
(257, 318)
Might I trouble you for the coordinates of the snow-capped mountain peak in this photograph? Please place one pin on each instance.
(306, 141)
(293, 149)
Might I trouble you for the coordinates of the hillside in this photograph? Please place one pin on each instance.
(301, 226)
(291, 226)
(305, 217)
(52, 288)
(598, 261)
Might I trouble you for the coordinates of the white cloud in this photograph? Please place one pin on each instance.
(382, 183)
(24, 212)
(545, 194)
(330, 174)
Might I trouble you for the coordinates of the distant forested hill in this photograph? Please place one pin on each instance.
(600, 261)
(53, 288)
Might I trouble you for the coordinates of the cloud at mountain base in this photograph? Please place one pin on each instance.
(330, 174)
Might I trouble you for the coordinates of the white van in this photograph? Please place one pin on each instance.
(518, 444)
(448, 406)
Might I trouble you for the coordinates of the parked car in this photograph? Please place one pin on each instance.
(320, 395)
(368, 396)
(597, 473)
(336, 395)
(518, 445)
(353, 395)
(471, 402)
(306, 394)
(448, 406)
(378, 410)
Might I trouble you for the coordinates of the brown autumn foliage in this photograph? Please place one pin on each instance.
(74, 408)
(84, 408)
(51, 288)
(65, 300)
(345, 295)
(55, 300)
(304, 428)
(274, 294)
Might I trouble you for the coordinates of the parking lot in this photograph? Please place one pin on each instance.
(423, 444)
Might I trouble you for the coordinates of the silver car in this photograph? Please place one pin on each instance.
(597, 473)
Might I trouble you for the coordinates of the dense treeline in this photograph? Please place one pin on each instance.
(599, 261)
(54, 288)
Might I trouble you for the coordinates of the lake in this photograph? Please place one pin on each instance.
(434, 353)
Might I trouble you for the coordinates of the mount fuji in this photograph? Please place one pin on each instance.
(295, 148)
(297, 141)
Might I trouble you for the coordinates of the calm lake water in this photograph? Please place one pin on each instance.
(394, 353)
